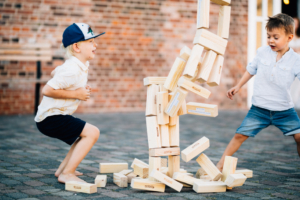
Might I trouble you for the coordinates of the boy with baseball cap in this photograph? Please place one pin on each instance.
(62, 95)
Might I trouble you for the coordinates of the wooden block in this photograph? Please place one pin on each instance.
(209, 167)
(200, 172)
(165, 138)
(182, 110)
(174, 74)
(164, 162)
(120, 180)
(174, 135)
(83, 187)
(193, 87)
(101, 180)
(248, 173)
(154, 163)
(211, 186)
(137, 161)
(235, 180)
(112, 167)
(181, 177)
(154, 80)
(224, 22)
(162, 88)
(166, 180)
(210, 41)
(205, 177)
(222, 2)
(195, 149)
(162, 102)
(192, 63)
(229, 167)
(182, 170)
(175, 151)
(131, 176)
(126, 172)
(186, 185)
(141, 170)
(176, 101)
(215, 74)
(185, 53)
(145, 184)
(151, 109)
(202, 109)
(164, 170)
(173, 165)
(188, 174)
(206, 66)
(173, 120)
(153, 132)
(203, 13)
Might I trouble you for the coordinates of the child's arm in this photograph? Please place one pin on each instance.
(246, 77)
(81, 93)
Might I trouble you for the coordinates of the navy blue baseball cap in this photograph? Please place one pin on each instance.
(78, 32)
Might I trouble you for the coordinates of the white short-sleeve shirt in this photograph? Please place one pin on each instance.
(69, 76)
(273, 79)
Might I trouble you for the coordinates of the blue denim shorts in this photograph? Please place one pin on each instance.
(258, 118)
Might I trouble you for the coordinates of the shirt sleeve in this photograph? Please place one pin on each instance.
(62, 80)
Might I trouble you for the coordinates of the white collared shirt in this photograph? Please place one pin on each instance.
(69, 76)
(273, 79)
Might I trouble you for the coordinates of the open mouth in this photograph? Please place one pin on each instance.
(272, 46)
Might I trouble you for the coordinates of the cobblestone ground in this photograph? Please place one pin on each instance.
(28, 159)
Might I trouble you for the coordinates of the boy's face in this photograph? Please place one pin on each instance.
(88, 49)
(278, 40)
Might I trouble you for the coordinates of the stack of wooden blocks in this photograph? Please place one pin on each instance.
(165, 103)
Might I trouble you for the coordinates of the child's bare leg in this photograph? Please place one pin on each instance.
(232, 147)
(297, 140)
(65, 161)
(89, 137)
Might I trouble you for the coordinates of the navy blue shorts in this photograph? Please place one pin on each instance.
(64, 127)
(258, 118)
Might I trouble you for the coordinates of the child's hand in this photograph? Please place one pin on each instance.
(83, 94)
(232, 92)
(88, 88)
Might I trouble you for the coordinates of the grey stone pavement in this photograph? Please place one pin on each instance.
(29, 159)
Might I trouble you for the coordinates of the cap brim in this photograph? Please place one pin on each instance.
(97, 35)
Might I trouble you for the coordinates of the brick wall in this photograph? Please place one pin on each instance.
(142, 39)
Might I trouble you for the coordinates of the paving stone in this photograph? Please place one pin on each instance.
(17, 195)
(33, 192)
(34, 183)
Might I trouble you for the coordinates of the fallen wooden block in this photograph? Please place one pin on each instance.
(176, 101)
(182, 170)
(162, 102)
(175, 151)
(235, 180)
(166, 180)
(210, 186)
(202, 109)
(200, 172)
(151, 109)
(248, 173)
(137, 161)
(154, 163)
(83, 187)
(215, 74)
(154, 80)
(175, 74)
(222, 2)
(130, 177)
(203, 13)
(181, 177)
(153, 132)
(205, 177)
(187, 174)
(164, 170)
(173, 165)
(174, 135)
(206, 66)
(112, 167)
(193, 87)
(185, 53)
(210, 41)
(165, 138)
(145, 184)
(209, 167)
(126, 172)
(192, 63)
(224, 22)
(182, 110)
(141, 170)
(101, 180)
(120, 180)
(195, 149)
(229, 167)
